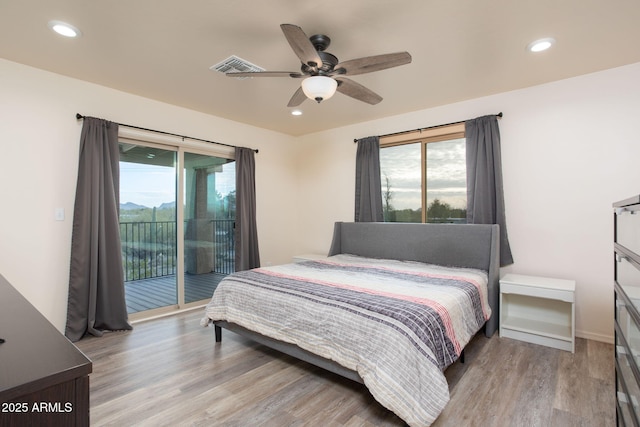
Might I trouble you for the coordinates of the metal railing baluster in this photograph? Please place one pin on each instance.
(149, 248)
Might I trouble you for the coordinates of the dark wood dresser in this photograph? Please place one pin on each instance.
(44, 378)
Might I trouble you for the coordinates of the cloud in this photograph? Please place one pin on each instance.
(446, 173)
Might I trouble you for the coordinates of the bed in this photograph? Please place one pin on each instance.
(392, 306)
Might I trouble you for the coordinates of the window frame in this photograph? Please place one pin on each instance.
(424, 137)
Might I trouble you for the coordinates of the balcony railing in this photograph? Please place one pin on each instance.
(149, 248)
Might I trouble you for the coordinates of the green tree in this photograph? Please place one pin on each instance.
(438, 210)
(443, 212)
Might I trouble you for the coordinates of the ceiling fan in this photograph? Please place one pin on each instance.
(322, 72)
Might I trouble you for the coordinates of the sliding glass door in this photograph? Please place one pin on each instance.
(174, 254)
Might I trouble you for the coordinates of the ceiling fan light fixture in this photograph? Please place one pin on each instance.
(319, 88)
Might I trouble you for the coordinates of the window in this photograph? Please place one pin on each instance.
(423, 175)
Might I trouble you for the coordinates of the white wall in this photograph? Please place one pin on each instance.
(38, 165)
(568, 153)
(569, 150)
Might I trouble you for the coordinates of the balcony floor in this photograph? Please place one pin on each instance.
(147, 294)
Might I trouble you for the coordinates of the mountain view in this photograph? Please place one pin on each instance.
(219, 207)
(133, 212)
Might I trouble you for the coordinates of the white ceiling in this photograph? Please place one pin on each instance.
(461, 49)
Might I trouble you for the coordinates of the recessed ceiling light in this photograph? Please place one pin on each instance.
(541, 44)
(64, 29)
(296, 113)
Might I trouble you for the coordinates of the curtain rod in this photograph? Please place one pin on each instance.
(80, 116)
(427, 128)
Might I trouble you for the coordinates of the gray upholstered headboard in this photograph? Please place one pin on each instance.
(458, 245)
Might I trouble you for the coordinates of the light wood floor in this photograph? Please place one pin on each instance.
(170, 372)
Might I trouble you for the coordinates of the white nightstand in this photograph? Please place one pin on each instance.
(538, 310)
(308, 257)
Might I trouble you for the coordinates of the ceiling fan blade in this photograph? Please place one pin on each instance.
(356, 90)
(297, 98)
(373, 63)
(265, 74)
(301, 45)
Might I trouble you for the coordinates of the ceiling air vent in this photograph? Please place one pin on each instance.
(233, 64)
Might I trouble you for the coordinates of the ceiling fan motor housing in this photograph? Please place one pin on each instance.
(329, 61)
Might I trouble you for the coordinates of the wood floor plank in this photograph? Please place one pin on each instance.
(601, 366)
(533, 403)
(169, 372)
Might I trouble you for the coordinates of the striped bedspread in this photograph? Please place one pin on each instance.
(397, 324)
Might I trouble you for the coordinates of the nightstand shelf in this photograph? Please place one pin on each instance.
(538, 310)
(547, 329)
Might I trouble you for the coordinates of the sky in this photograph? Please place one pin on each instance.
(446, 174)
(151, 186)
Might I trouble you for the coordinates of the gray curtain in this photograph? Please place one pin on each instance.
(96, 279)
(368, 183)
(485, 199)
(246, 234)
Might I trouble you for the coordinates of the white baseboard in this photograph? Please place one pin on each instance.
(595, 337)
